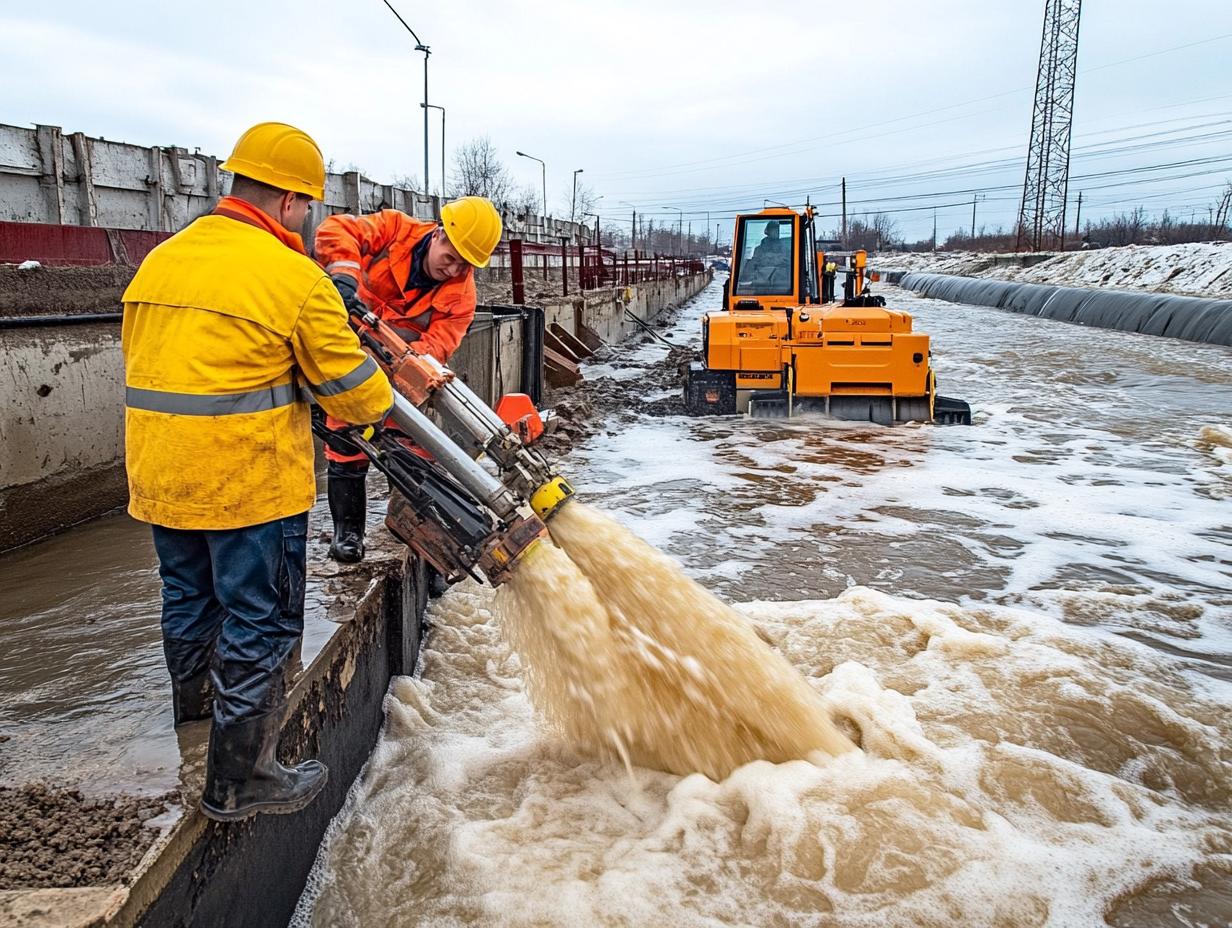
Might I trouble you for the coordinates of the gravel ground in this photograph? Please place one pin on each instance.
(58, 837)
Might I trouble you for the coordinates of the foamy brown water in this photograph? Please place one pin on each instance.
(626, 654)
(1014, 772)
(1027, 623)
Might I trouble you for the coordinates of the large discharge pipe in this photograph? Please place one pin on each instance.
(482, 485)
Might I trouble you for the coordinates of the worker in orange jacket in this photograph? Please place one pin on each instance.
(419, 276)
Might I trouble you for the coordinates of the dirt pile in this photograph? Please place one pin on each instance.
(582, 408)
(58, 837)
(43, 291)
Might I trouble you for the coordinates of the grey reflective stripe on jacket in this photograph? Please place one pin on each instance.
(347, 381)
(215, 404)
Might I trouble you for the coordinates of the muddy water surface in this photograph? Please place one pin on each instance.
(1026, 624)
(85, 700)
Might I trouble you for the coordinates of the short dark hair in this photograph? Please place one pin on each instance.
(246, 188)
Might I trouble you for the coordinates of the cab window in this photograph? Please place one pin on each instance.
(766, 250)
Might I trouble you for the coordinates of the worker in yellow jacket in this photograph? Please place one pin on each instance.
(226, 325)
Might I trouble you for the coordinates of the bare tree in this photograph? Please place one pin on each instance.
(885, 229)
(478, 171)
(1221, 212)
(525, 201)
(587, 199)
(406, 181)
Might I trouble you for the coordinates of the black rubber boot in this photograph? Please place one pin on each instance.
(244, 777)
(192, 699)
(348, 504)
(437, 584)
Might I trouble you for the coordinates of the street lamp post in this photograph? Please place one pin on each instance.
(433, 106)
(573, 202)
(544, 167)
(419, 47)
(633, 234)
(596, 215)
(679, 224)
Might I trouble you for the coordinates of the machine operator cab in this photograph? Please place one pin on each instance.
(768, 255)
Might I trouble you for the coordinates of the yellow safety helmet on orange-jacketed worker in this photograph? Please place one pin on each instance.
(473, 227)
(281, 156)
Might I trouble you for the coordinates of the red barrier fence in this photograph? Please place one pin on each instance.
(591, 266)
(74, 246)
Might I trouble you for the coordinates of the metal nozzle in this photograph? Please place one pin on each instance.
(546, 500)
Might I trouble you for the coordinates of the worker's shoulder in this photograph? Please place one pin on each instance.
(214, 249)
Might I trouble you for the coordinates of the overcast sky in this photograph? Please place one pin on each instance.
(701, 106)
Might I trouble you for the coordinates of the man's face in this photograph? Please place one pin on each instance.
(443, 261)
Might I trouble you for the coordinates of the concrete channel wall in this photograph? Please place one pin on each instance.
(61, 395)
(47, 175)
(1189, 318)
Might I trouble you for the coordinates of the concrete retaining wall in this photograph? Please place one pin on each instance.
(61, 394)
(1183, 317)
(61, 428)
(53, 177)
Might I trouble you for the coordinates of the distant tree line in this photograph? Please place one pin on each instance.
(1132, 227)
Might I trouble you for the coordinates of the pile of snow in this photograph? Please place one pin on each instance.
(1195, 269)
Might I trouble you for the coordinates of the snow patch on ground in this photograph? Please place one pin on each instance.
(1201, 269)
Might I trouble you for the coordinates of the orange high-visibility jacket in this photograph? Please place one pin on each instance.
(376, 250)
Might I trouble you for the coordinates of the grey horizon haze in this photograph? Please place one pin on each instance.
(698, 106)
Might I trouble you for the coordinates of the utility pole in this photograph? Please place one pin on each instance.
(716, 238)
(1078, 219)
(845, 213)
(633, 234)
(934, 228)
(420, 47)
(573, 203)
(974, 198)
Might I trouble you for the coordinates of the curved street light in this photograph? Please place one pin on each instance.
(522, 154)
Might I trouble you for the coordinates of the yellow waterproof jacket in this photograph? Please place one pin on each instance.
(223, 326)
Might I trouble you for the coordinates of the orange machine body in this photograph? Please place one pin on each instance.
(776, 347)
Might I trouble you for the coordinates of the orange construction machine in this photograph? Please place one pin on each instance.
(782, 344)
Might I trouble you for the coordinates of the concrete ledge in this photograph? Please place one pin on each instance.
(35, 510)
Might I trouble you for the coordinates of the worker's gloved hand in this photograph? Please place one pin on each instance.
(348, 289)
(338, 440)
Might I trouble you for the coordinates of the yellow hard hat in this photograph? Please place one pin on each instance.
(473, 227)
(281, 156)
